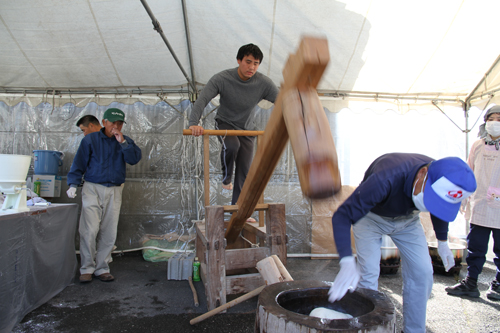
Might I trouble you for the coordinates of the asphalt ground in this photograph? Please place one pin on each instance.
(141, 299)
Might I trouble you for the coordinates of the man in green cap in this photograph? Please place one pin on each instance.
(101, 158)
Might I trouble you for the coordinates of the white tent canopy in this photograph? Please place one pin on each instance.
(400, 51)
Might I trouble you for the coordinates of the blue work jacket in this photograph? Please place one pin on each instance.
(103, 160)
(386, 190)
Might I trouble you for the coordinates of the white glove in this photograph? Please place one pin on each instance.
(347, 279)
(446, 255)
(71, 192)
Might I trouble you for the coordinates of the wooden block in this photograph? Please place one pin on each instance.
(269, 271)
(305, 68)
(312, 143)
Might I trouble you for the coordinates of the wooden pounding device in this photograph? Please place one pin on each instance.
(297, 115)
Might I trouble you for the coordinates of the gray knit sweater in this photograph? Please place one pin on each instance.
(237, 97)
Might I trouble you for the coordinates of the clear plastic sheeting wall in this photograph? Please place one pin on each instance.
(163, 193)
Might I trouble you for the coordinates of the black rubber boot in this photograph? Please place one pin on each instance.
(466, 287)
(493, 292)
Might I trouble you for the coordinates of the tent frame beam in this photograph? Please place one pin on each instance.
(471, 96)
(190, 51)
(157, 27)
(437, 97)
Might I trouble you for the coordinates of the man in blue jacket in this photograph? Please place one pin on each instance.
(395, 189)
(102, 158)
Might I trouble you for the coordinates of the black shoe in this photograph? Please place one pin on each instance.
(493, 292)
(463, 289)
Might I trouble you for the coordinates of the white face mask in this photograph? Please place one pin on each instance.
(493, 128)
(418, 199)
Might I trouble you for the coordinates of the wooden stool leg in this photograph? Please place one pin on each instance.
(215, 288)
(276, 230)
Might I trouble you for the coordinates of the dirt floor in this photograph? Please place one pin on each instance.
(141, 299)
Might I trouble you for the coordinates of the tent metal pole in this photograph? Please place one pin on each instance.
(467, 130)
(485, 76)
(379, 96)
(158, 28)
(188, 41)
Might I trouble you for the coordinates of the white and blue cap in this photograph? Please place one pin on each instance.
(449, 181)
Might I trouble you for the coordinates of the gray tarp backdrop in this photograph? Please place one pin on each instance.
(36, 259)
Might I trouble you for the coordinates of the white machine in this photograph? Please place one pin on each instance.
(13, 173)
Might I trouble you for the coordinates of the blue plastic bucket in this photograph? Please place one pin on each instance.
(47, 162)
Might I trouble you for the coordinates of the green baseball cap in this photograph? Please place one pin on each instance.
(113, 115)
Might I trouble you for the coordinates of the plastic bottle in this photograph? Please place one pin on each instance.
(36, 187)
(196, 269)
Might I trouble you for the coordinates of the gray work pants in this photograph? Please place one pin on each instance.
(98, 226)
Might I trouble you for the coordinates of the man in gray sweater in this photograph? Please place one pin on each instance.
(240, 90)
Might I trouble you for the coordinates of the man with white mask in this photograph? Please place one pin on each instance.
(484, 160)
(395, 189)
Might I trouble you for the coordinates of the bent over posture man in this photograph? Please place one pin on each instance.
(101, 158)
(395, 189)
(240, 90)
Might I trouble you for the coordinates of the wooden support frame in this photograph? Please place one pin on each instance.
(217, 261)
(318, 174)
(206, 156)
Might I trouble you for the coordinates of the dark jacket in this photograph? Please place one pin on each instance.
(103, 160)
(386, 190)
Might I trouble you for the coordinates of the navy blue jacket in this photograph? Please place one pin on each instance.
(103, 160)
(386, 190)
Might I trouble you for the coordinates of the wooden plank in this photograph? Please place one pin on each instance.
(245, 258)
(216, 258)
(206, 168)
(234, 208)
(254, 228)
(302, 71)
(225, 132)
(239, 284)
(276, 229)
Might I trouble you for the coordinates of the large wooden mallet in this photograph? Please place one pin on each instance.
(297, 115)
